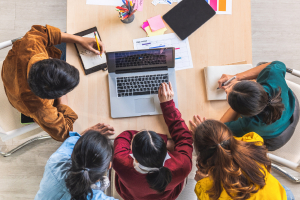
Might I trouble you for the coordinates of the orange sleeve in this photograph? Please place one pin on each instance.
(57, 121)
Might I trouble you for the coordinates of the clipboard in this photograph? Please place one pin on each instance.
(90, 62)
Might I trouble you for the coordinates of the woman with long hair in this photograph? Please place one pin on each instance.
(144, 168)
(266, 106)
(233, 167)
(78, 169)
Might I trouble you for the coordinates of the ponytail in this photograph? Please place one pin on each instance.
(91, 158)
(273, 109)
(159, 180)
(249, 98)
(79, 184)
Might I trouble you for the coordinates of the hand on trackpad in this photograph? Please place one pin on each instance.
(144, 105)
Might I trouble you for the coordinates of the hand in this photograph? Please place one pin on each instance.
(224, 78)
(91, 45)
(61, 100)
(170, 145)
(197, 122)
(165, 92)
(104, 129)
(199, 175)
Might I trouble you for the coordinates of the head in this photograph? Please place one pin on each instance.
(52, 78)
(91, 158)
(249, 98)
(150, 150)
(233, 165)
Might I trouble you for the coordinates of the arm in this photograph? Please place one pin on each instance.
(177, 127)
(247, 75)
(230, 115)
(122, 143)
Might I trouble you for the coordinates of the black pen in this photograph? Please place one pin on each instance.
(226, 83)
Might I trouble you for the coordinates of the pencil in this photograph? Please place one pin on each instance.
(97, 43)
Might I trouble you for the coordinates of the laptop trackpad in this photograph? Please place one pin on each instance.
(144, 105)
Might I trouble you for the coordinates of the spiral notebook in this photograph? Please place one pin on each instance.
(213, 73)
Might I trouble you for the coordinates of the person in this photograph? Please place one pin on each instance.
(78, 169)
(233, 167)
(144, 169)
(36, 81)
(266, 106)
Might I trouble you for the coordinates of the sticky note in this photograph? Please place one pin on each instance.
(158, 32)
(156, 23)
(222, 5)
(214, 4)
(145, 24)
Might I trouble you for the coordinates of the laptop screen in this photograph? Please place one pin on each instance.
(141, 59)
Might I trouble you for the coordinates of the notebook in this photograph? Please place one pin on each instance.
(89, 60)
(213, 73)
(187, 16)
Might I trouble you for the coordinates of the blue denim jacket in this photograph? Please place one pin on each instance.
(53, 184)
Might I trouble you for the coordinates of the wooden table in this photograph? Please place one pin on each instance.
(222, 40)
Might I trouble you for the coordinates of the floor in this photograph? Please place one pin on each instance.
(275, 35)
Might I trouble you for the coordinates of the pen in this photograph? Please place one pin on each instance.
(227, 82)
(97, 43)
(132, 13)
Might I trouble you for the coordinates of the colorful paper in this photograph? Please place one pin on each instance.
(145, 24)
(158, 32)
(222, 5)
(138, 5)
(214, 4)
(156, 23)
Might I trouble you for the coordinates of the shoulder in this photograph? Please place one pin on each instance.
(202, 186)
(251, 137)
(99, 195)
(275, 71)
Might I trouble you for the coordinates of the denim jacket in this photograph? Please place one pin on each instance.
(53, 184)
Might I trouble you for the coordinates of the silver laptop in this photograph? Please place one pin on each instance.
(134, 78)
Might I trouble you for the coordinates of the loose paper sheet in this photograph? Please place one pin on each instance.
(183, 57)
(138, 3)
(90, 59)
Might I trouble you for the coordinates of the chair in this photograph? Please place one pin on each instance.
(10, 125)
(289, 154)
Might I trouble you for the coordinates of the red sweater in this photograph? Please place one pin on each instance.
(132, 185)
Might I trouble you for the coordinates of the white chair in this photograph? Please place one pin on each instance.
(289, 154)
(10, 123)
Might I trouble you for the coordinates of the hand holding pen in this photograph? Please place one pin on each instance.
(225, 80)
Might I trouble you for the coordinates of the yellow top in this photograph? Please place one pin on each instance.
(271, 191)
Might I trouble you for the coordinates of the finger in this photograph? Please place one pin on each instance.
(193, 124)
(110, 128)
(109, 133)
(197, 120)
(104, 129)
(102, 47)
(164, 89)
(170, 85)
(94, 50)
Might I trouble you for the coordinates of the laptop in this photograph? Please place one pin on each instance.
(134, 78)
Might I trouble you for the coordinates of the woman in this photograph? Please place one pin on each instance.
(267, 106)
(144, 168)
(231, 167)
(77, 170)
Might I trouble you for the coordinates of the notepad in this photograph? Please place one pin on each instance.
(90, 61)
(156, 23)
(213, 73)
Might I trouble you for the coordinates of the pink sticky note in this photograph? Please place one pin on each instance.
(156, 23)
(214, 4)
(145, 24)
(138, 4)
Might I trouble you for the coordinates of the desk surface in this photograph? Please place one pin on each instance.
(222, 40)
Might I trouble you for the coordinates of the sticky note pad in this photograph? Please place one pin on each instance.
(158, 32)
(145, 24)
(156, 23)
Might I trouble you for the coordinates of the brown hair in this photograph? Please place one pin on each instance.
(249, 98)
(234, 165)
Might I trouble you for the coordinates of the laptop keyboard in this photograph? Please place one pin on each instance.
(128, 60)
(140, 85)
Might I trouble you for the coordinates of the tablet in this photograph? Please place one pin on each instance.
(187, 16)
(89, 60)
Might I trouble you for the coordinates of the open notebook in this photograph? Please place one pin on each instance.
(213, 74)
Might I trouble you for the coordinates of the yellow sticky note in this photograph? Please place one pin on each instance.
(158, 32)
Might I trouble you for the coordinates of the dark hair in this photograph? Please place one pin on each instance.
(52, 78)
(234, 165)
(91, 157)
(249, 98)
(150, 150)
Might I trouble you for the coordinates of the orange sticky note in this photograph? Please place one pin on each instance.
(222, 5)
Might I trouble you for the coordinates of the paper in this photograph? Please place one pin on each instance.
(145, 24)
(105, 2)
(183, 57)
(221, 6)
(156, 23)
(155, 2)
(89, 58)
(138, 4)
(158, 32)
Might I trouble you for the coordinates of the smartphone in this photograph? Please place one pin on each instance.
(26, 120)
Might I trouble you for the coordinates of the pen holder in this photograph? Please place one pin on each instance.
(129, 19)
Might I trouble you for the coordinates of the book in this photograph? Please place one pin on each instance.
(213, 73)
(89, 60)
